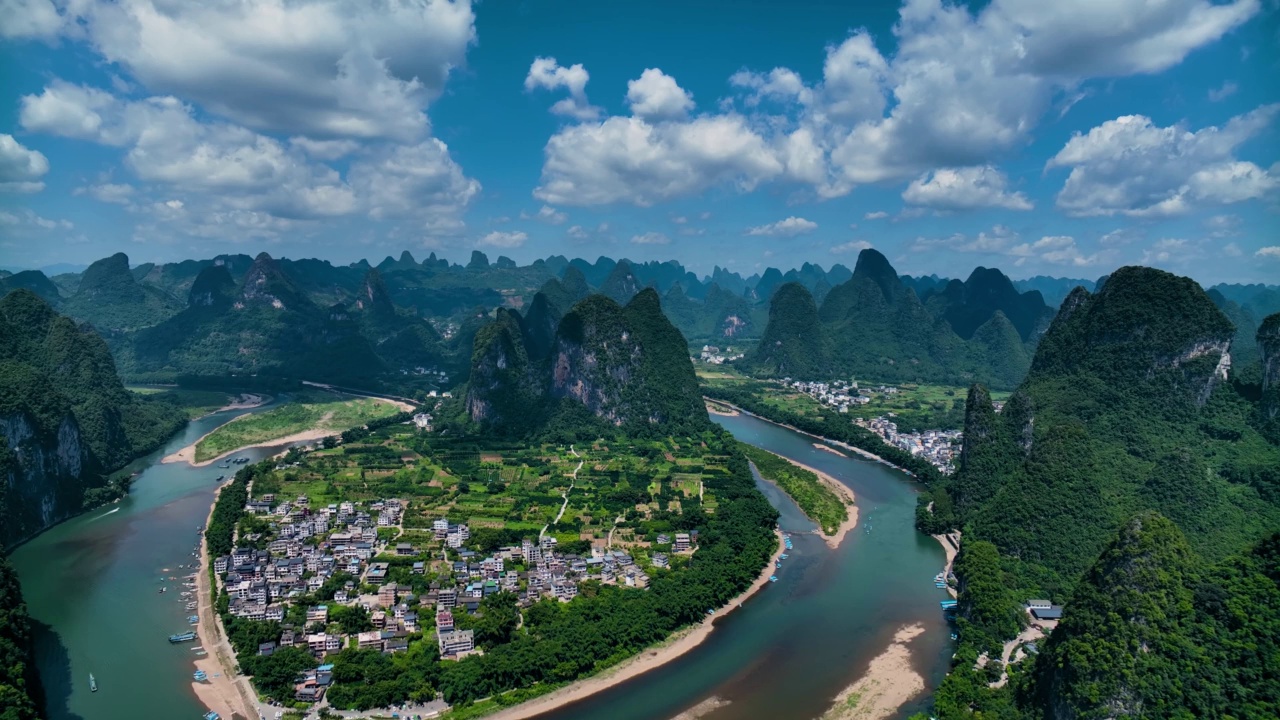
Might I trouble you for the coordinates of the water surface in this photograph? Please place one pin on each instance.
(91, 585)
(798, 642)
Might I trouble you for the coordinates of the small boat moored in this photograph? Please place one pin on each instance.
(93, 683)
(182, 637)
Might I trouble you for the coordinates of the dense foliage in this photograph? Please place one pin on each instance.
(19, 686)
(818, 501)
(1128, 480)
(608, 368)
(61, 402)
(874, 325)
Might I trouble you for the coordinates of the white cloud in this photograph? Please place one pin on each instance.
(546, 214)
(1272, 251)
(1222, 226)
(546, 74)
(656, 96)
(28, 220)
(851, 247)
(325, 149)
(312, 67)
(961, 89)
(420, 182)
(998, 241)
(117, 193)
(36, 19)
(499, 239)
(1054, 250)
(627, 159)
(1130, 166)
(1222, 93)
(650, 238)
(790, 227)
(1232, 250)
(964, 189)
(577, 232)
(877, 215)
(21, 168)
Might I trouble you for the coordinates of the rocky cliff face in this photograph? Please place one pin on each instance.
(628, 366)
(44, 477)
(1269, 348)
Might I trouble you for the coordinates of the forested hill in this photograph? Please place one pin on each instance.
(606, 365)
(1133, 478)
(874, 325)
(65, 418)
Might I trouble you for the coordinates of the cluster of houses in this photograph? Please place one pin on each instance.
(311, 545)
(712, 355)
(939, 447)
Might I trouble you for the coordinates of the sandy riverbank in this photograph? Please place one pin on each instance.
(715, 407)
(846, 496)
(188, 453)
(225, 692)
(656, 656)
(828, 448)
(950, 543)
(888, 684)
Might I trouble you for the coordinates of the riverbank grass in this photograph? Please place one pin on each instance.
(314, 411)
(814, 498)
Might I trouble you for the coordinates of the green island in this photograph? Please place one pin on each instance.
(194, 402)
(818, 501)
(475, 555)
(307, 411)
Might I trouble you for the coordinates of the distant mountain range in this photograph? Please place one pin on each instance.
(404, 321)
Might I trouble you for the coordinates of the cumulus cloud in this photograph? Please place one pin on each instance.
(29, 19)
(1054, 250)
(500, 239)
(1130, 166)
(998, 240)
(964, 189)
(343, 69)
(546, 74)
(21, 168)
(117, 193)
(650, 238)
(852, 246)
(546, 214)
(1219, 94)
(790, 227)
(626, 159)
(656, 96)
(966, 87)
(1270, 252)
(877, 215)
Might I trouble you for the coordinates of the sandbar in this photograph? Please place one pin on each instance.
(888, 684)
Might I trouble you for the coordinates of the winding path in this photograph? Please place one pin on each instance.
(573, 478)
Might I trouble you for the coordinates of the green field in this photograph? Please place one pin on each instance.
(913, 407)
(195, 403)
(314, 411)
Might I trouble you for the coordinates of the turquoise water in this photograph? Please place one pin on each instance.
(91, 584)
(794, 645)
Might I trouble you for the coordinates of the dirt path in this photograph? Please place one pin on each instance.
(573, 478)
(950, 543)
(1030, 634)
(226, 692)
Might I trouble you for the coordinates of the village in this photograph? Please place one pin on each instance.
(341, 574)
(939, 447)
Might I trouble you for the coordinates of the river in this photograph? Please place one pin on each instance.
(91, 584)
(794, 645)
(92, 587)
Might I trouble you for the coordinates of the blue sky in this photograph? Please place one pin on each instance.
(1062, 138)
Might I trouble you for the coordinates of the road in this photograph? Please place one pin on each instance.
(573, 478)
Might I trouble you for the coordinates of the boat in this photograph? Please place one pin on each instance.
(773, 578)
(182, 637)
(93, 683)
(783, 556)
(211, 715)
(199, 676)
(163, 589)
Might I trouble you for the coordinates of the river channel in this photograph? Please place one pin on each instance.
(92, 586)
